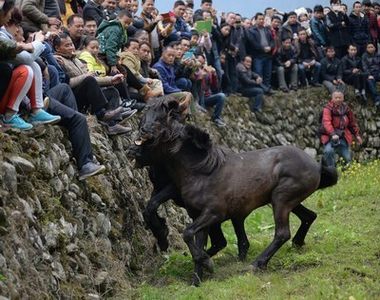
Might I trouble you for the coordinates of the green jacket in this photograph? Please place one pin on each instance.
(8, 49)
(112, 36)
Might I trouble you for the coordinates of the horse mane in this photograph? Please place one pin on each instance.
(201, 154)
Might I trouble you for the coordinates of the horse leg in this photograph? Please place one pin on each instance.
(200, 257)
(307, 217)
(282, 234)
(243, 243)
(218, 241)
(156, 224)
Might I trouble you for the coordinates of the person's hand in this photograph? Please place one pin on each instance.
(287, 63)
(158, 19)
(267, 49)
(149, 81)
(359, 140)
(305, 64)
(173, 19)
(59, 60)
(27, 47)
(91, 74)
(340, 81)
(118, 78)
(335, 137)
(355, 70)
(335, 81)
(312, 63)
(343, 24)
(39, 37)
(54, 21)
(259, 80)
(114, 70)
(370, 77)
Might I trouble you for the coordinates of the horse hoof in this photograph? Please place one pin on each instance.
(163, 244)
(196, 280)
(257, 267)
(208, 264)
(297, 244)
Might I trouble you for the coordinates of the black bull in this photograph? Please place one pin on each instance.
(215, 184)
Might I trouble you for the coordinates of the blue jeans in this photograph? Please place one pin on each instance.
(184, 84)
(216, 100)
(314, 70)
(342, 149)
(263, 67)
(256, 95)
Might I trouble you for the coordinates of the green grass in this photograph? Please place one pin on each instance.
(341, 258)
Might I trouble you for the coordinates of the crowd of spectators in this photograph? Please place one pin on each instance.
(109, 58)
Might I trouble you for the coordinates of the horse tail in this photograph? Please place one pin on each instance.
(329, 176)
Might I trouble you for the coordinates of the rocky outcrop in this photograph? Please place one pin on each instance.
(69, 239)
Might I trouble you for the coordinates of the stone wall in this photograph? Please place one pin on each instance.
(68, 239)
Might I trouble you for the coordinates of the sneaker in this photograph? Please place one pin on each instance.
(17, 122)
(118, 129)
(90, 169)
(128, 103)
(43, 117)
(219, 123)
(139, 106)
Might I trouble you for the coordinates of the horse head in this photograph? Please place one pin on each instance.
(159, 126)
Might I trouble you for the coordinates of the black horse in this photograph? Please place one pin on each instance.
(217, 184)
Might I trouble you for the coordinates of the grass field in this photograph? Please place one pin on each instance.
(341, 258)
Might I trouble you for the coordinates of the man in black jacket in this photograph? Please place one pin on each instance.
(337, 23)
(331, 72)
(353, 72)
(250, 84)
(359, 28)
(260, 45)
(94, 9)
(371, 65)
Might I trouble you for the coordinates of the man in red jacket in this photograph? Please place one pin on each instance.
(339, 129)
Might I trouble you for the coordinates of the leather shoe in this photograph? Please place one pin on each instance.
(129, 113)
(110, 115)
(118, 129)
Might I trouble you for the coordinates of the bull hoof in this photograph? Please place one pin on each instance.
(208, 264)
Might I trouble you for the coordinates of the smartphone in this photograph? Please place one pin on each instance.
(188, 55)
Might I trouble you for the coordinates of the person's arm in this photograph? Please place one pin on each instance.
(165, 81)
(327, 121)
(111, 49)
(29, 9)
(353, 124)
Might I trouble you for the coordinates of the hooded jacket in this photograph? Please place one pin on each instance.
(112, 36)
